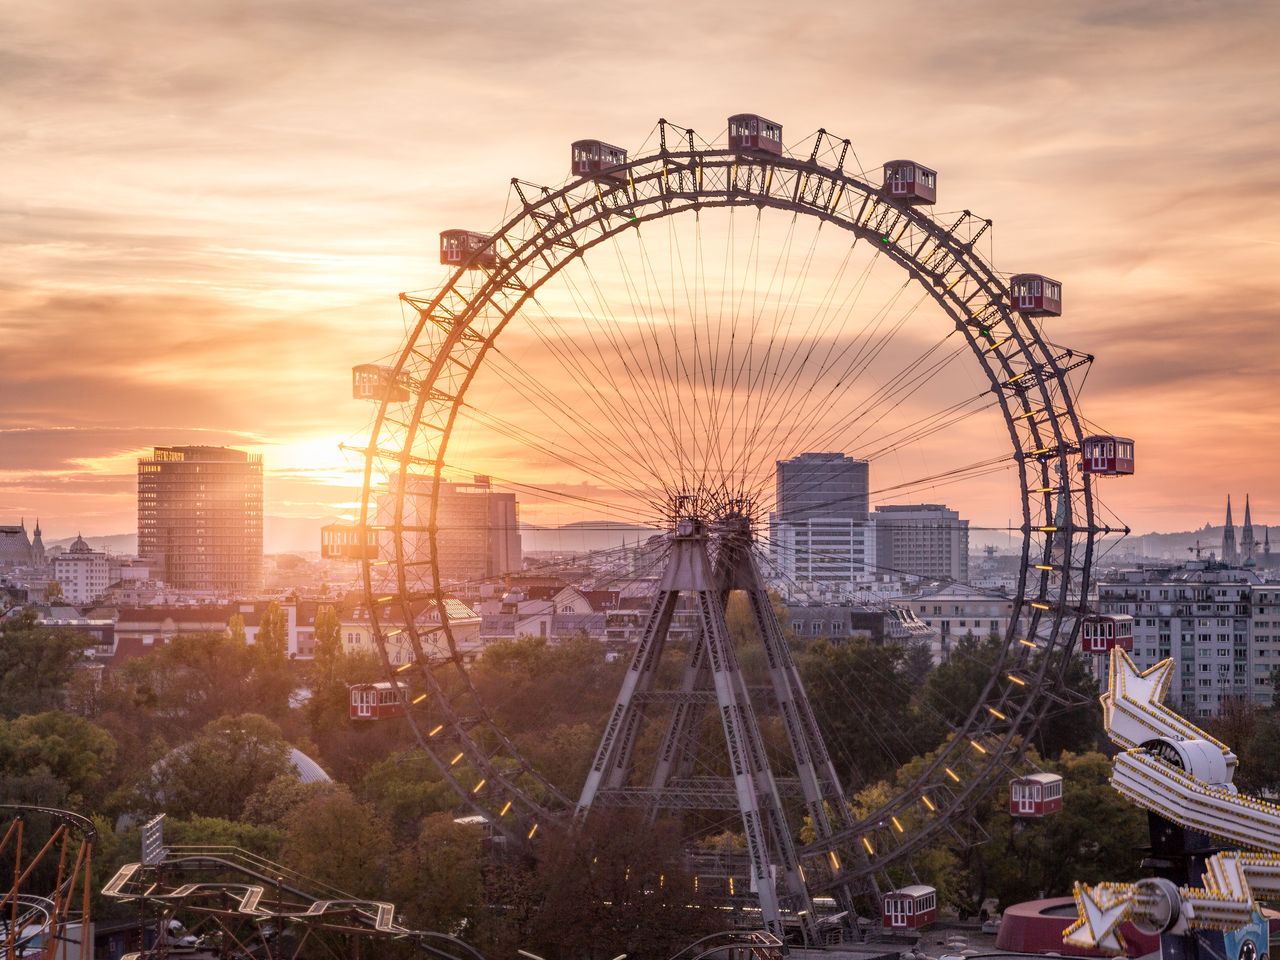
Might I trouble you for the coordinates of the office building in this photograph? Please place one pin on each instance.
(924, 540)
(478, 531)
(820, 531)
(200, 518)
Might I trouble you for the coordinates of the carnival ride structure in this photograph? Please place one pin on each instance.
(673, 380)
(1215, 851)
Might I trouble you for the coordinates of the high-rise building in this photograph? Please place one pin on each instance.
(825, 485)
(478, 530)
(923, 540)
(820, 531)
(200, 518)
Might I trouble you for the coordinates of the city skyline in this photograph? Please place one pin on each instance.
(240, 249)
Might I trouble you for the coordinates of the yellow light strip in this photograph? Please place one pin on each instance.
(870, 849)
(532, 831)
(419, 698)
(455, 760)
(479, 786)
(1039, 606)
(897, 824)
(996, 713)
(1028, 643)
(924, 798)
(436, 729)
(407, 666)
(506, 808)
(952, 774)
(1014, 678)
(835, 860)
(1044, 566)
(977, 746)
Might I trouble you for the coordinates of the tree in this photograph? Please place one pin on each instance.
(863, 700)
(212, 776)
(438, 879)
(272, 639)
(36, 663)
(271, 805)
(76, 753)
(52, 591)
(405, 788)
(329, 651)
(618, 881)
(339, 841)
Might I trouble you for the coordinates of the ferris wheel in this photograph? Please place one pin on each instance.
(641, 346)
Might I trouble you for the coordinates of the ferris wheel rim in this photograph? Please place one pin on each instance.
(1060, 412)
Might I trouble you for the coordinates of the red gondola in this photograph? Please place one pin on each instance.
(1106, 456)
(1034, 295)
(597, 158)
(910, 182)
(370, 381)
(1037, 795)
(375, 701)
(466, 248)
(910, 908)
(1104, 632)
(342, 541)
(750, 131)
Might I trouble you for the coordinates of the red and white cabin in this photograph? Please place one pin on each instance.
(1037, 795)
(597, 158)
(1105, 456)
(910, 182)
(370, 381)
(1034, 295)
(1102, 633)
(343, 541)
(466, 248)
(375, 701)
(910, 908)
(750, 131)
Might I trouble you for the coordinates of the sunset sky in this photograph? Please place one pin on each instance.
(209, 207)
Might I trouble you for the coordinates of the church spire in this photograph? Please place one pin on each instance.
(1229, 555)
(1247, 542)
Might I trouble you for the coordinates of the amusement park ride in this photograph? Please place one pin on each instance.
(709, 505)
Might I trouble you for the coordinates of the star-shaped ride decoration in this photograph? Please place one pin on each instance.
(1101, 910)
(1133, 710)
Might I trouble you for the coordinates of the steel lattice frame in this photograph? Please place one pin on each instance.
(1029, 376)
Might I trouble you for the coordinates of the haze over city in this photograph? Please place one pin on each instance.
(214, 206)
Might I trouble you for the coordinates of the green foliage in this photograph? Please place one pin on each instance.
(271, 805)
(36, 663)
(619, 881)
(233, 758)
(1096, 836)
(272, 639)
(404, 789)
(340, 841)
(76, 754)
(329, 651)
(861, 694)
(437, 880)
